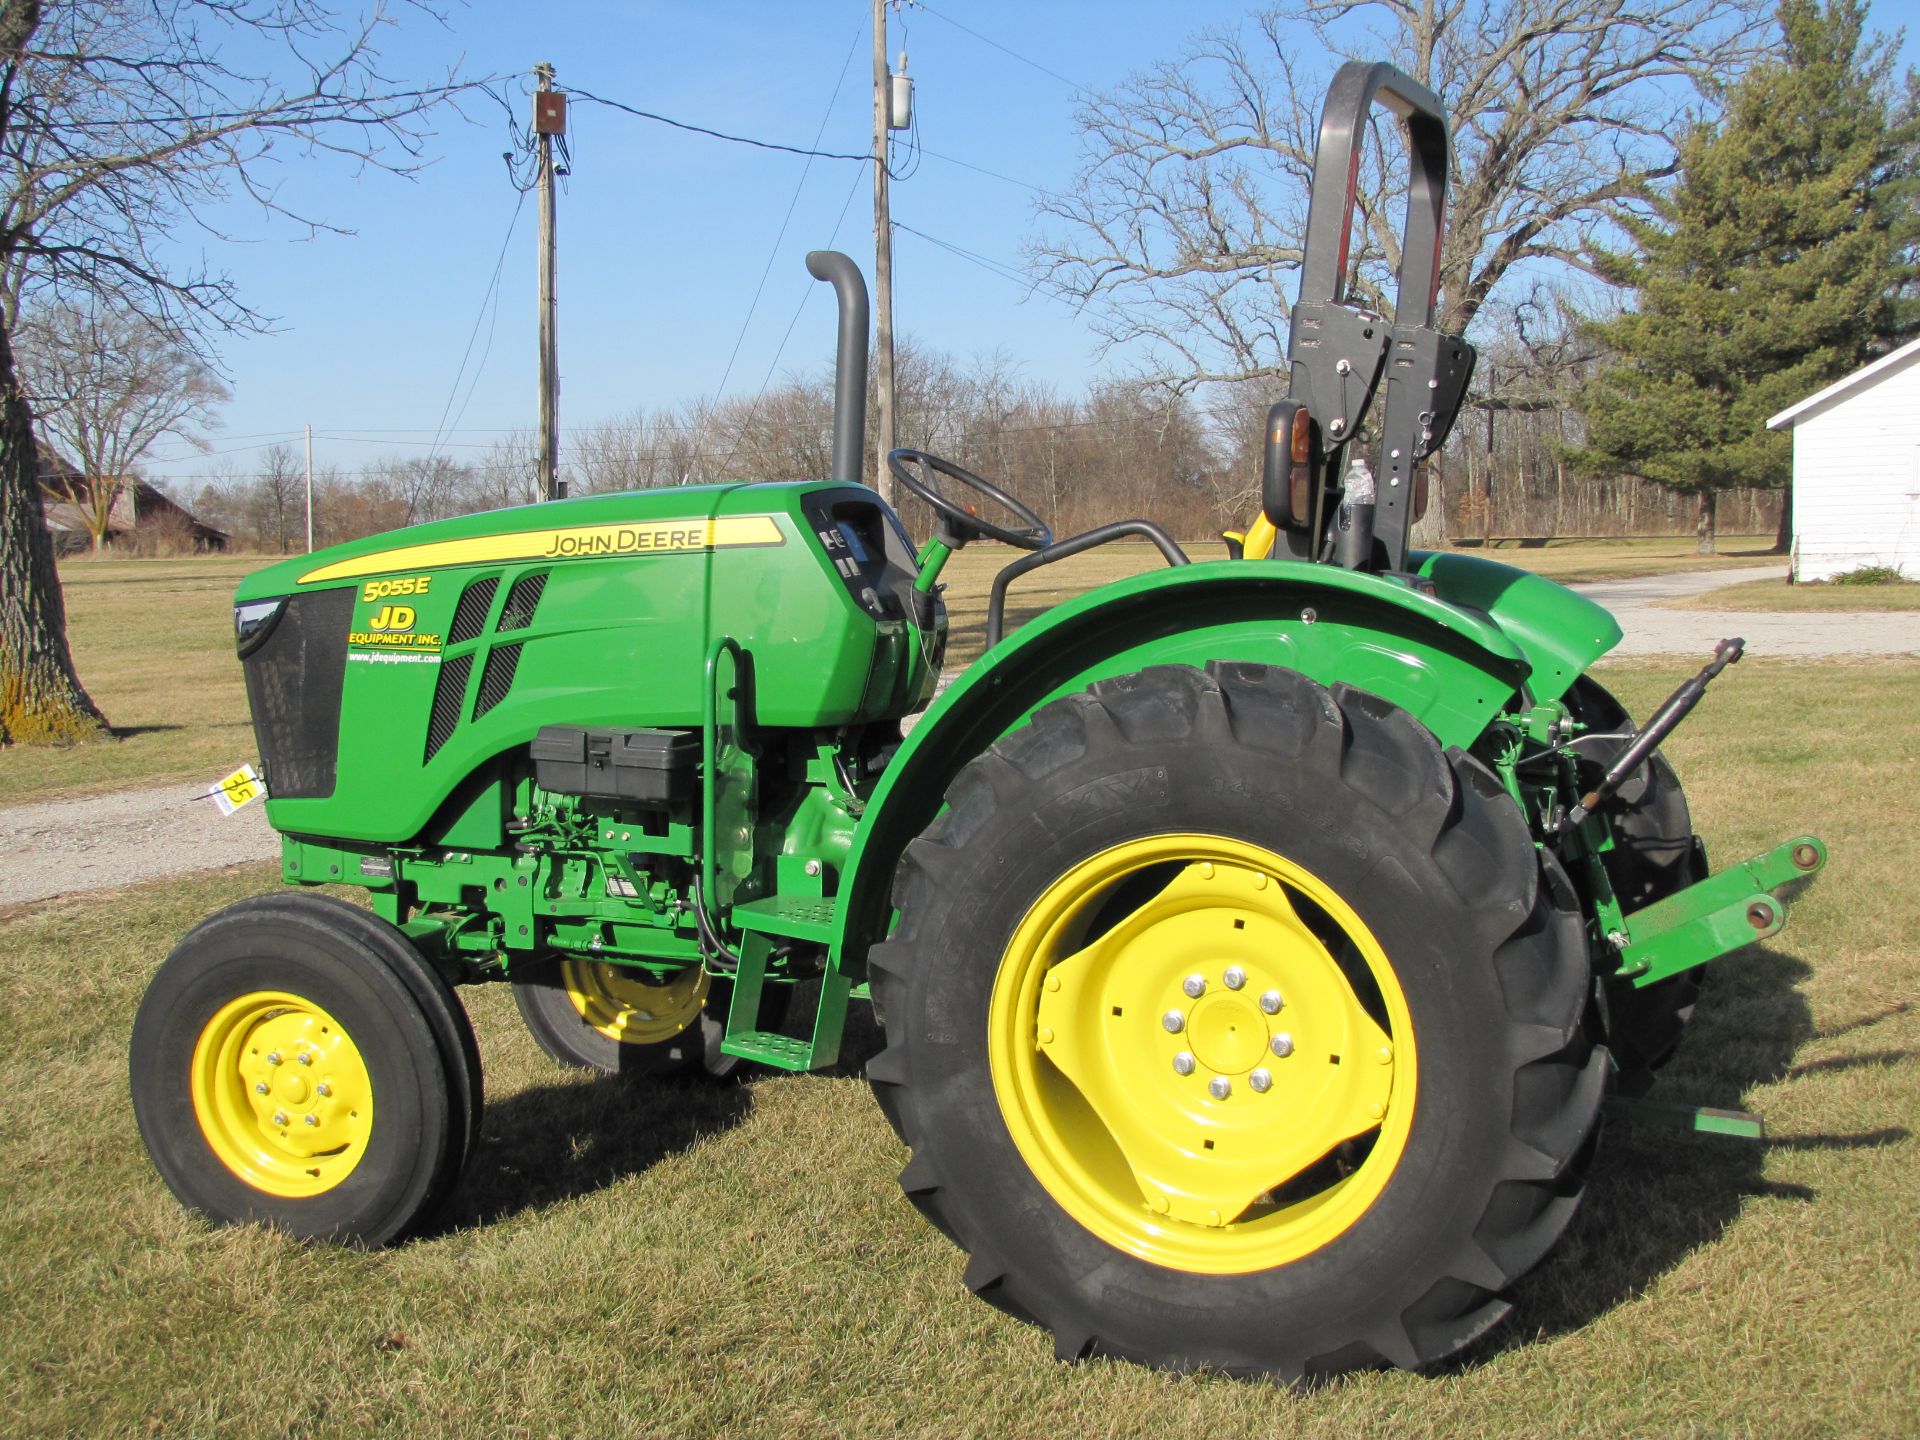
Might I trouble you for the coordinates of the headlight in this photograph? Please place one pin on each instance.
(253, 622)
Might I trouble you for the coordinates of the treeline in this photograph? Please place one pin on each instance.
(1120, 450)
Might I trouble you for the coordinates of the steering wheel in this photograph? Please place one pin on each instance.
(958, 523)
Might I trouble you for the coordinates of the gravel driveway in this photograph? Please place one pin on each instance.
(1654, 629)
(61, 846)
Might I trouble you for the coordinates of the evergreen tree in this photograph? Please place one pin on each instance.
(1782, 260)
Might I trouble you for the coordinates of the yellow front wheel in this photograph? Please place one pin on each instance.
(1232, 1023)
(281, 1093)
(295, 1061)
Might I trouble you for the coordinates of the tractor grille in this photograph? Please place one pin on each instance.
(497, 678)
(470, 615)
(447, 697)
(517, 613)
(293, 687)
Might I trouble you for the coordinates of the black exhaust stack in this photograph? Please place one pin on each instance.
(850, 364)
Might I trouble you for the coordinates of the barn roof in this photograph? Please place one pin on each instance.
(1864, 378)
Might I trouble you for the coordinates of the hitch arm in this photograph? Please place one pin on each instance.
(1718, 915)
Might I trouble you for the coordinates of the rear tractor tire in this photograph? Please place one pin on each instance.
(296, 1062)
(1235, 1025)
(591, 1015)
(1655, 853)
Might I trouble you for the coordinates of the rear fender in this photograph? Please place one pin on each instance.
(1453, 667)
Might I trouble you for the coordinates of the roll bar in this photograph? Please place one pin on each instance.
(1338, 353)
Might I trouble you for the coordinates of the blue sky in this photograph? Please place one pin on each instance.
(665, 235)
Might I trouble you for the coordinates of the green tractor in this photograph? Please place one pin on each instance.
(1255, 941)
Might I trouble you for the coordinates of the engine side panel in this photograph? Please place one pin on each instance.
(463, 638)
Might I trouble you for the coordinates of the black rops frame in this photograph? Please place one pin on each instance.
(1338, 353)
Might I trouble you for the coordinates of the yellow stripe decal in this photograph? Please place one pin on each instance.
(577, 542)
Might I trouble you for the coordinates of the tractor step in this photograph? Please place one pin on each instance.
(787, 918)
(792, 917)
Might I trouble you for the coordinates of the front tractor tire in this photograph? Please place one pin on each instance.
(1235, 1025)
(296, 1062)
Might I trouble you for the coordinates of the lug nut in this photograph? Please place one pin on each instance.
(306, 1057)
(1234, 978)
(1220, 1087)
(262, 1088)
(1183, 1063)
(1261, 1080)
(323, 1089)
(313, 1119)
(279, 1117)
(1282, 1045)
(1270, 1002)
(1195, 986)
(1174, 1021)
(273, 1057)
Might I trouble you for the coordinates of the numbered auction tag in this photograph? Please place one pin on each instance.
(241, 787)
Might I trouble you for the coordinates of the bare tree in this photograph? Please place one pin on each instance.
(104, 385)
(623, 453)
(119, 119)
(1182, 231)
(278, 499)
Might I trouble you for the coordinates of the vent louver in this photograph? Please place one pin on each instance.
(517, 613)
(447, 696)
(497, 678)
(470, 615)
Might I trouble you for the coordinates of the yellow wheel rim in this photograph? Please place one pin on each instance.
(1202, 1053)
(281, 1093)
(622, 1006)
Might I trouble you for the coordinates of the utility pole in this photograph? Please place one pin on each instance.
(309, 489)
(882, 259)
(549, 120)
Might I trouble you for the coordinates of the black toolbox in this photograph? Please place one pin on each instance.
(647, 767)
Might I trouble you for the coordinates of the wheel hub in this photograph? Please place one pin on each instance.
(282, 1094)
(1207, 1049)
(1227, 1035)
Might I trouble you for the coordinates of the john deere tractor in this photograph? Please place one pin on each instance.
(1255, 940)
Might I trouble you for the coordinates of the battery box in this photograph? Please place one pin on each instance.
(645, 767)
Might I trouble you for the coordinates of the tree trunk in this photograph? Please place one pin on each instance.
(1783, 537)
(41, 699)
(1704, 529)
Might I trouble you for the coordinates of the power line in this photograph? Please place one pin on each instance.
(987, 40)
(792, 204)
(995, 267)
(982, 170)
(780, 350)
(493, 287)
(579, 94)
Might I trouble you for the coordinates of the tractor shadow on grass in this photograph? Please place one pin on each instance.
(556, 1142)
(1654, 1196)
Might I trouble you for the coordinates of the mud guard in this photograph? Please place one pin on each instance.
(1453, 658)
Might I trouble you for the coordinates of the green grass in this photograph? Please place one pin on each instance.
(684, 1260)
(1572, 561)
(1777, 594)
(153, 640)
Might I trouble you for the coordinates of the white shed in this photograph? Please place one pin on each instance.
(1856, 470)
